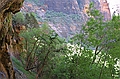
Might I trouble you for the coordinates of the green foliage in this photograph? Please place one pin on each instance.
(21, 69)
(58, 17)
(31, 20)
(75, 17)
(50, 14)
(72, 67)
(41, 46)
(102, 37)
(19, 18)
(77, 64)
(28, 19)
(91, 54)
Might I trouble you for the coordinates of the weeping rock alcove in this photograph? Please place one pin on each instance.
(7, 38)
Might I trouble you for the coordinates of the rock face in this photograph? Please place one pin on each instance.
(7, 8)
(105, 9)
(76, 9)
(66, 6)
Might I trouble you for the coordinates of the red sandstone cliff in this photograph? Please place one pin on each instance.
(67, 6)
(70, 7)
(105, 9)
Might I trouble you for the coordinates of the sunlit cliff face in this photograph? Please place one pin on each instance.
(114, 6)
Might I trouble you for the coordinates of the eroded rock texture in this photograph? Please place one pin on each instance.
(7, 37)
(66, 6)
(105, 9)
(66, 26)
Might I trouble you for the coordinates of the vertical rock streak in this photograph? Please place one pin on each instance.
(7, 8)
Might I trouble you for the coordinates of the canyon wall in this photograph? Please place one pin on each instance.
(7, 9)
(65, 26)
